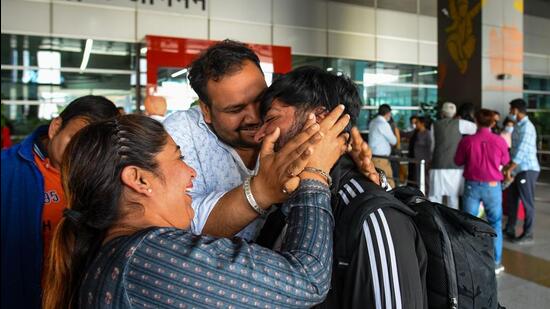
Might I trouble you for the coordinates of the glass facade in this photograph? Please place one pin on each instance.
(409, 89)
(41, 75)
(537, 95)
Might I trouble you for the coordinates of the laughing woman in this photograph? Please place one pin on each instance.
(124, 243)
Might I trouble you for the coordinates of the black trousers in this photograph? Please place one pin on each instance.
(523, 188)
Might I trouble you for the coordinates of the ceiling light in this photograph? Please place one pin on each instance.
(427, 73)
(178, 73)
(86, 56)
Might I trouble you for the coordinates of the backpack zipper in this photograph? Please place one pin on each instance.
(450, 268)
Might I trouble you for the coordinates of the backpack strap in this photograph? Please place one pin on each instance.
(354, 200)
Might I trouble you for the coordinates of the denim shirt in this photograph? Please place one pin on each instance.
(168, 267)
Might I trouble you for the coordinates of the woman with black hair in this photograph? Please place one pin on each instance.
(124, 240)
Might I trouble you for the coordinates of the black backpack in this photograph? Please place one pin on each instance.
(461, 267)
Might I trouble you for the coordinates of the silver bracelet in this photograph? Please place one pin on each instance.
(320, 172)
(250, 197)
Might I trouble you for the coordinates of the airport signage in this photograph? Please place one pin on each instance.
(176, 6)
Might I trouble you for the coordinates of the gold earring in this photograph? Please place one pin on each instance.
(149, 190)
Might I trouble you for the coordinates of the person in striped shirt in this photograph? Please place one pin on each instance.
(380, 260)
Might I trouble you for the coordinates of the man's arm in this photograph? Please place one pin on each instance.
(388, 134)
(466, 127)
(460, 156)
(505, 154)
(392, 260)
(397, 137)
(376, 258)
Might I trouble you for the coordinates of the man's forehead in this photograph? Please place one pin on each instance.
(278, 105)
(242, 87)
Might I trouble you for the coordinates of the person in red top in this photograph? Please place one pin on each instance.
(483, 155)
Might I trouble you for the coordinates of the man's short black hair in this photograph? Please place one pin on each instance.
(91, 107)
(424, 120)
(219, 60)
(520, 105)
(384, 109)
(309, 87)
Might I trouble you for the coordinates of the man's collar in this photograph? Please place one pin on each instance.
(523, 120)
(202, 123)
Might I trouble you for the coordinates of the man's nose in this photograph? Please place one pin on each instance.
(252, 114)
(259, 136)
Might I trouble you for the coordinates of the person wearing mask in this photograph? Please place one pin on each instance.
(381, 140)
(482, 155)
(124, 241)
(507, 130)
(525, 169)
(412, 124)
(33, 198)
(445, 176)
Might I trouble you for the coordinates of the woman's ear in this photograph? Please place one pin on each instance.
(137, 179)
(55, 126)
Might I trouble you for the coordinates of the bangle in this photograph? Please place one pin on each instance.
(250, 197)
(320, 172)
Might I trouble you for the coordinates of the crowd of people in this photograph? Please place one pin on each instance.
(234, 203)
(469, 156)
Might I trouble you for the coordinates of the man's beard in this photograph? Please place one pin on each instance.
(294, 130)
(237, 142)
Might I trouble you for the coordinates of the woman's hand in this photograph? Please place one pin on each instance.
(333, 144)
(278, 173)
(362, 156)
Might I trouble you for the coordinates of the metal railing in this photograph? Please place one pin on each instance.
(405, 160)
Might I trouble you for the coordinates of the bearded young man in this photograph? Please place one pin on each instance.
(379, 256)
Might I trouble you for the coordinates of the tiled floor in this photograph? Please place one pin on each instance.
(526, 280)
